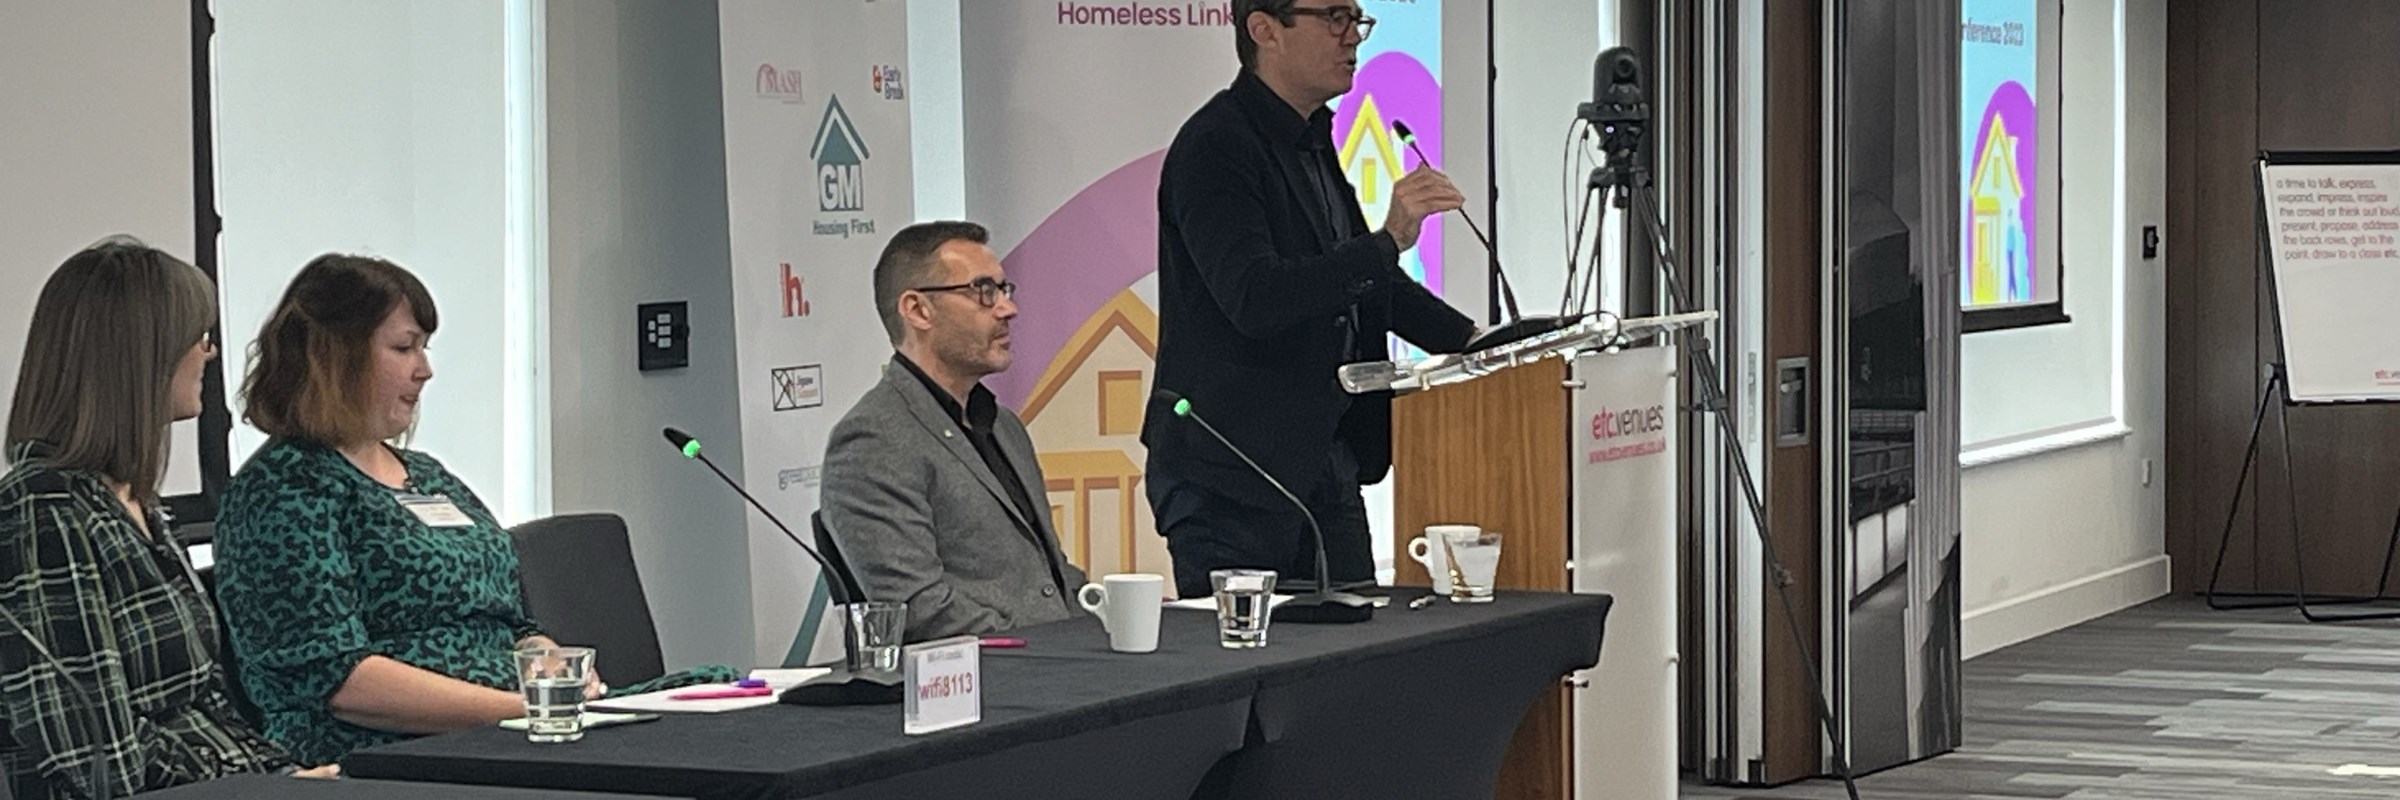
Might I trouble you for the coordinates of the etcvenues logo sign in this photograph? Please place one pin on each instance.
(774, 83)
(1631, 433)
(1144, 15)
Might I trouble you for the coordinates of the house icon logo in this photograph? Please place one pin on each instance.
(841, 156)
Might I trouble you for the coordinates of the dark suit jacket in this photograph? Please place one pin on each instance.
(1256, 298)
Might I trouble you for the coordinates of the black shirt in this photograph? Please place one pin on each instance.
(1312, 140)
(976, 419)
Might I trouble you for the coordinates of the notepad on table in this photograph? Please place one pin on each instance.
(663, 700)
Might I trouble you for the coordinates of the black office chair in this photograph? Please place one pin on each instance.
(204, 533)
(833, 556)
(579, 582)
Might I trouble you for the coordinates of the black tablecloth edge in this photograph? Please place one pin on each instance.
(892, 762)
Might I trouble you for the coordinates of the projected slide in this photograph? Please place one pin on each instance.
(1397, 80)
(1999, 68)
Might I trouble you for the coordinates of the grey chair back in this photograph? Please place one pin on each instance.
(580, 584)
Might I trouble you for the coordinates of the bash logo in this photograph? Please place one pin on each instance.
(795, 301)
(798, 387)
(781, 85)
(841, 155)
(885, 80)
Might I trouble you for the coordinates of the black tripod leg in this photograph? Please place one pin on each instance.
(2383, 585)
(2233, 510)
(2300, 595)
(1705, 378)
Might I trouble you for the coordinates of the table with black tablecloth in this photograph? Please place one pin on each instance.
(277, 787)
(1416, 703)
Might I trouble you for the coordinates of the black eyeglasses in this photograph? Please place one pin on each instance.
(1344, 19)
(987, 291)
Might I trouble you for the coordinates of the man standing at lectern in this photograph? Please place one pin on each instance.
(1269, 280)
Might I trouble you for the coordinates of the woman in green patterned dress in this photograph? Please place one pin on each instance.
(372, 596)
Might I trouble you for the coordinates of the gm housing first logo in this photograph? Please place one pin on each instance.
(1632, 433)
(841, 155)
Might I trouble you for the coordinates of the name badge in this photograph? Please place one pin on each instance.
(945, 684)
(435, 510)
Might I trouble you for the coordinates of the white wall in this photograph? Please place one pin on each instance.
(382, 129)
(2025, 390)
(2058, 537)
(1543, 50)
(95, 141)
(636, 165)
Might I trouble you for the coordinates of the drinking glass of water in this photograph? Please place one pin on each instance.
(876, 629)
(1474, 564)
(554, 680)
(1244, 597)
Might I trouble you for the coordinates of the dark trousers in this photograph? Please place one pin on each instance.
(1207, 531)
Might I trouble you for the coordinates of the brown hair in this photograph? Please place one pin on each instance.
(908, 262)
(108, 331)
(1245, 49)
(311, 368)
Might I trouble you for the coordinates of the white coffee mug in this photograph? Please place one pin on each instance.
(1127, 605)
(1426, 550)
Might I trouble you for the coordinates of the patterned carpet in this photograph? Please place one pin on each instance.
(2168, 700)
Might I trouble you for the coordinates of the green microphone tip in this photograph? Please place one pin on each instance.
(691, 449)
(1183, 408)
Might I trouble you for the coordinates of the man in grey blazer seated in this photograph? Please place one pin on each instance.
(930, 486)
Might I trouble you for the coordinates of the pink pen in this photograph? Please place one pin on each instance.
(721, 694)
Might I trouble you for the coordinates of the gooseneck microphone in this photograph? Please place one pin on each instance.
(98, 787)
(1518, 326)
(1508, 294)
(1322, 605)
(841, 687)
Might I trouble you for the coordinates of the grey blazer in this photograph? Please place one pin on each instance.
(922, 519)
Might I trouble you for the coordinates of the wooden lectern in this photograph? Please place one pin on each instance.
(1491, 451)
(1565, 444)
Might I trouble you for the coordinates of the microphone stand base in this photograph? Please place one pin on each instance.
(841, 687)
(1324, 608)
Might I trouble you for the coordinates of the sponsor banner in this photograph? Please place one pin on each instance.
(1624, 440)
(817, 174)
(1069, 188)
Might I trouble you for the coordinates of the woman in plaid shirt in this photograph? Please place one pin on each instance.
(117, 690)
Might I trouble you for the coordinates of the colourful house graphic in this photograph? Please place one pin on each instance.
(1085, 415)
(1369, 158)
(2001, 270)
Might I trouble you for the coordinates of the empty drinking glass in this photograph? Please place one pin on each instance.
(553, 680)
(1244, 598)
(1474, 564)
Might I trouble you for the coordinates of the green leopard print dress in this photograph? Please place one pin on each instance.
(320, 566)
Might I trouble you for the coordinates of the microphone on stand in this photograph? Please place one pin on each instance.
(842, 686)
(98, 788)
(1518, 326)
(1320, 605)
